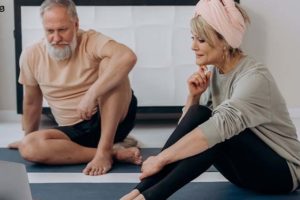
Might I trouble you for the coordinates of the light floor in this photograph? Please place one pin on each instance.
(149, 134)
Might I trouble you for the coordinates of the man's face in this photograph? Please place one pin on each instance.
(60, 31)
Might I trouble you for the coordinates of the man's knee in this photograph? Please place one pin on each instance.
(27, 147)
(31, 148)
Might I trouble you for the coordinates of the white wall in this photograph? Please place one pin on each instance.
(273, 38)
(7, 57)
(161, 42)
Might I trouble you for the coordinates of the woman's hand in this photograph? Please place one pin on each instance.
(151, 166)
(199, 81)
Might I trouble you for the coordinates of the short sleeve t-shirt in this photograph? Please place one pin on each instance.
(63, 83)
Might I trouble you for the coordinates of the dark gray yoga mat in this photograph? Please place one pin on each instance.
(14, 156)
(113, 191)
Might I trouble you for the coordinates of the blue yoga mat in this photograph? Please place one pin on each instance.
(14, 156)
(113, 191)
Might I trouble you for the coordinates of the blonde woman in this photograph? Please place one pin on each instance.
(244, 129)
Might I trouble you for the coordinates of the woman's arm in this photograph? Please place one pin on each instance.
(198, 82)
(191, 144)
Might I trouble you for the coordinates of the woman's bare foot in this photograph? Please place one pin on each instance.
(140, 197)
(14, 145)
(129, 155)
(131, 195)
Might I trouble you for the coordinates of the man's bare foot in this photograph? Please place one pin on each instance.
(129, 155)
(100, 164)
(14, 145)
(129, 141)
(131, 195)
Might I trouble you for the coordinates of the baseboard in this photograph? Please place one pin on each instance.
(9, 116)
(12, 116)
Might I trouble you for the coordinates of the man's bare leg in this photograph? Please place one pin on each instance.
(52, 146)
(113, 109)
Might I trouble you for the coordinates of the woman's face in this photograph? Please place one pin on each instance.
(206, 54)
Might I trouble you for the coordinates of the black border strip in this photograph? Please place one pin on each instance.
(116, 2)
(18, 39)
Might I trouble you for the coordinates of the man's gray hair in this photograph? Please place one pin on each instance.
(68, 4)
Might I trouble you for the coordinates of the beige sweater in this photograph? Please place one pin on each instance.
(248, 97)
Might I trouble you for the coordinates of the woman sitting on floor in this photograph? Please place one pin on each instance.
(246, 132)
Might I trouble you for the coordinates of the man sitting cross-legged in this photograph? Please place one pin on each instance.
(83, 75)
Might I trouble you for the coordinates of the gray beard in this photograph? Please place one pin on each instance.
(60, 54)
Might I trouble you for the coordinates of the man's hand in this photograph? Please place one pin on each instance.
(87, 107)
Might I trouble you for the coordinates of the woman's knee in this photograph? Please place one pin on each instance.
(200, 109)
(198, 114)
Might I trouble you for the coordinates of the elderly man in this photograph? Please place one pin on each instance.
(83, 75)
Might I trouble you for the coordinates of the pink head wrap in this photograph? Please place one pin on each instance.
(225, 18)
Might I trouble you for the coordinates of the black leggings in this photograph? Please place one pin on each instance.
(244, 160)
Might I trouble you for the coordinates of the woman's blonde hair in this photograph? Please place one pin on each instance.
(202, 29)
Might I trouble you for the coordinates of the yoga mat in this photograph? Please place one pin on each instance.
(113, 191)
(14, 156)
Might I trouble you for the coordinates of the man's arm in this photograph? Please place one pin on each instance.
(120, 62)
(32, 108)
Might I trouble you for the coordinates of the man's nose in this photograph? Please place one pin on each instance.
(56, 37)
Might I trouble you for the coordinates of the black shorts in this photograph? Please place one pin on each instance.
(87, 133)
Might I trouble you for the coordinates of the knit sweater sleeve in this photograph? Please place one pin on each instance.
(248, 106)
